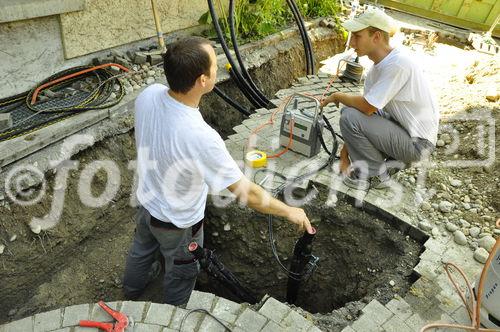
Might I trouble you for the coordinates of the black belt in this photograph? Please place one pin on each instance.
(168, 225)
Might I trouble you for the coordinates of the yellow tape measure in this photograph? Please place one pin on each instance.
(256, 159)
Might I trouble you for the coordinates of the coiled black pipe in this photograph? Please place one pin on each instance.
(253, 97)
(243, 69)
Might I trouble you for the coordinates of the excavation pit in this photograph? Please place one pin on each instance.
(362, 256)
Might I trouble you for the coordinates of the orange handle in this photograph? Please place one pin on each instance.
(108, 327)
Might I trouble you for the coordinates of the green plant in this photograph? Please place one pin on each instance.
(255, 19)
(318, 8)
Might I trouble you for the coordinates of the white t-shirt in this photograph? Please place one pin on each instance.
(398, 86)
(179, 158)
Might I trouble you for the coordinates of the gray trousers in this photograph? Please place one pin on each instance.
(180, 278)
(372, 139)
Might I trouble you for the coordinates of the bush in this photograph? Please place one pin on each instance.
(255, 19)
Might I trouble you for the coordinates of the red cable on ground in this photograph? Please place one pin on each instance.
(60, 79)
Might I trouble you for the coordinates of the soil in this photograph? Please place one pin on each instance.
(81, 260)
(359, 255)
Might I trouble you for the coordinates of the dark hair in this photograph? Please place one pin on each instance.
(372, 30)
(185, 61)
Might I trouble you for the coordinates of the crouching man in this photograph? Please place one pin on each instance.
(395, 119)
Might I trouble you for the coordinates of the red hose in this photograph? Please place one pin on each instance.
(60, 79)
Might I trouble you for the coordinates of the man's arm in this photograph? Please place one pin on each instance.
(356, 101)
(260, 200)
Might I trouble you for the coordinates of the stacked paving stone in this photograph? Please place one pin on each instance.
(273, 316)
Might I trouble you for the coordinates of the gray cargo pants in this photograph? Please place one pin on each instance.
(180, 276)
(373, 139)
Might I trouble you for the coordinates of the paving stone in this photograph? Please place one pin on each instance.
(200, 300)
(5, 121)
(428, 269)
(85, 329)
(25, 324)
(134, 310)
(190, 322)
(461, 316)
(250, 320)
(166, 329)
(313, 329)
(47, 321)
(435, 245)
(226, 310)
(272, 326)
(415, 322)
(274, 309)
(377, 312)
(296, 321)
(366, 324)
(159, 314)
(449, 300)
(395, 324)
(141, 327)
(65, 329)
(436, 315)
(209, 324)
(400, 308)
(348, 329)
(99, 315)
(75, 313)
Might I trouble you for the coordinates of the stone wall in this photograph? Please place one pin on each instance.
(33, 49)
(104, 24)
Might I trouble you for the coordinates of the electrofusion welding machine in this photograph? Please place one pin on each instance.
(302, 118)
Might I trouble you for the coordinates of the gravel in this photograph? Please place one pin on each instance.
(481, 255)
(460, 238)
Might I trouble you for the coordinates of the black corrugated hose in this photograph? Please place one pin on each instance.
(243, 69)
(254, 98)
(309, 55)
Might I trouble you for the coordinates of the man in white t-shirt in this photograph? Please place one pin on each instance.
(180, 158)
(396, 119)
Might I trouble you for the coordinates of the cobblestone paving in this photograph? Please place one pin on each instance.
(430, 299)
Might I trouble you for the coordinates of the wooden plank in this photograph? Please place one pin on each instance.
(464, 9)
(451, 20)
(437, 6)
(495, 11)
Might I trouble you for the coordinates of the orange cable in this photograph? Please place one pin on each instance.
(60, 79)
(288, 146)
(475, 315)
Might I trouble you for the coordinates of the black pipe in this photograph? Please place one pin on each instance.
(305, 37)
(308, 40)
(255, 100)
(231, 102)
(301, 257)
(211, 264)
(243, 69)
(241, 87)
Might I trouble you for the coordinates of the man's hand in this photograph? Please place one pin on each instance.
(258, 199)
(298, 216)
(330, 99)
